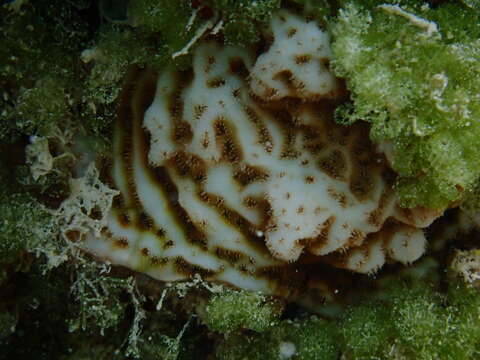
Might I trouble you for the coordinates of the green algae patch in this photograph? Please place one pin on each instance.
(409, 319)
(413, 74)
(306, 339)
(25, 226)
(234, 310)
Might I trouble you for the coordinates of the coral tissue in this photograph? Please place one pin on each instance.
(234, 169)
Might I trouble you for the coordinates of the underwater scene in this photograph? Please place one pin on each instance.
(239, 179)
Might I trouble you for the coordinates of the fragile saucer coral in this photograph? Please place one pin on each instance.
(220, 180)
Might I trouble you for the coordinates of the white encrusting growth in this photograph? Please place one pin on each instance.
(296, 63)
(466, 264)
(38, 157)
(367, 259)
(406, 244)
(286, 350)
(93, 198)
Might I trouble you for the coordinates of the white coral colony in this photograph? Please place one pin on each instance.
(296, 64)
(218, 177)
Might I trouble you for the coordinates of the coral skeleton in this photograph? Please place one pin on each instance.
(466, 264)
(38, 157)
(219, 178)
(92, 198)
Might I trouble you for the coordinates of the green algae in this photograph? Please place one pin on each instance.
(308, 339)
(234, 310)
(418, 90)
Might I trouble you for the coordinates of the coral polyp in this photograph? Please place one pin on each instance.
(219, 180)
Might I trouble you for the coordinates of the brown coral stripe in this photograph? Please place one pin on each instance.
(321, 240)
(237, 67)
(361, 182)
(189, 165)
(368, 245)
(199, 110)
(232, 217)
(193, 234)
(105, 166)
(289, 277)
(184, 267)
(118, 200)
(303, 59)
(265, 138)
(366, 163)
(145, 221)
(287, 79)
(123, 217)
(289, 128)
(334, 165)
(338, 196)
(210, 62)
(142, 99)
(215, 82)
(230, 256)
(314, 143)
(356, 238)
(226, 138)
(124, 131)
(121, 243)
(376, 217)
(389, 229)
(158, 261)
(246, 174)
(182, 132)
(339, 135)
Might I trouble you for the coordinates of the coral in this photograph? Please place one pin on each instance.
(296, 64)
(309, 159)
(412, 71)
(397, 242)
(215, 181)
